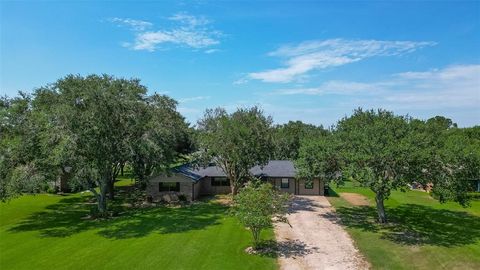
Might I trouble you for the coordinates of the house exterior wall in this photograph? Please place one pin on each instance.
(277, 183)
(318, 187)
(196, 190)
(206, 187)
(186, 186)
(193, 190)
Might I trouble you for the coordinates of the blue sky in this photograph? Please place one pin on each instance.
(309, 61)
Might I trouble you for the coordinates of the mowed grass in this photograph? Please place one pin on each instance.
(422, 233)
(51, 232)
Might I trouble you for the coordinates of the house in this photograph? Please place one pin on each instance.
(195, 182)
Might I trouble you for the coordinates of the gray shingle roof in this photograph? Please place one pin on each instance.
(274, 168)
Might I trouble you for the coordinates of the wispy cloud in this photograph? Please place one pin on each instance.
(332, 87)
(189, 20)
(209, 51)
(454, 86)
(136, 25)
(190, 99)
(186, 30)
(315, 55)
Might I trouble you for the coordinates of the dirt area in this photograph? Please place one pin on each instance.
(223, 199)
(355, 199)
(315, 240)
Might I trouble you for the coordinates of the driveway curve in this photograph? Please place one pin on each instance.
(315, 240)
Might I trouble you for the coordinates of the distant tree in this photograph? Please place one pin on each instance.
(375, 147)
(445, 157)
(287, 138)
(460, 156)
(21, 143)
(235, 142)
(257, 205)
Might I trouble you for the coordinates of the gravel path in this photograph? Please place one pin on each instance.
(315, 240)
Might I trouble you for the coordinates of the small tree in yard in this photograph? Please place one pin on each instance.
(257, 205)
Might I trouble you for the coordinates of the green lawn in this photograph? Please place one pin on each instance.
(48, 232)
(422, 234)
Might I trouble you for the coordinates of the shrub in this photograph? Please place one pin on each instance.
(256, 205)
(182, 197)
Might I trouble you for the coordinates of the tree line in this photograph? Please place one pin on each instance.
(88, 128)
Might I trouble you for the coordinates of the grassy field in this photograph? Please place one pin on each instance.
(422, 233)
(50, 232)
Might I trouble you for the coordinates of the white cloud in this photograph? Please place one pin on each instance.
(331, 87)
(455, 86)
(135, 25)
(241, 81)
(189, 99)
(209, 51)
(187, 30)
(189, 20)
(451, 87)
(314, 55)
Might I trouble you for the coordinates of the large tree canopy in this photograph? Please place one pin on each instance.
(385, 152)
(287, 138)
(319, 157)
(375, 146)
(236, 142)
(89, 127)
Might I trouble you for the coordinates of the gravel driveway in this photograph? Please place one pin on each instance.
(315, 240)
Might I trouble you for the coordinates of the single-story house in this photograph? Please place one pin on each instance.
(194, 182)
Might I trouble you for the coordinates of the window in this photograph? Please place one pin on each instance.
(309, 184)
(285, 183)
(220, 182)
(169, 186)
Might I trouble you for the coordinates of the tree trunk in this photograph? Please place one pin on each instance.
(121, 169)
(102, 200)
(111, 189)
(256, 237)
(233, 187)
(382, 218)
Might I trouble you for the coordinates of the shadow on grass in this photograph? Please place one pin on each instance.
(331, 193)
(413, 224)
(164, 220)
(67, 217)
